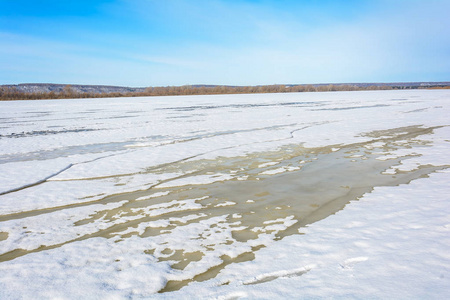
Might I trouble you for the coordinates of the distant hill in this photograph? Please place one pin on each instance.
(36, 91)
(78, 88)
(107, 89)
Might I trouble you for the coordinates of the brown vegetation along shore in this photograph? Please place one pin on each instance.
(12, 93)
(439, 88)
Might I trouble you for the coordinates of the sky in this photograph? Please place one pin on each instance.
(144, 43)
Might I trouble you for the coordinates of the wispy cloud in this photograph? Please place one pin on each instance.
(231, 42)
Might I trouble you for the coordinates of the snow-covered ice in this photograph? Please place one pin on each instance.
(311, 195)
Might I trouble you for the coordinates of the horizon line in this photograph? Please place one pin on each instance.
(229, 85)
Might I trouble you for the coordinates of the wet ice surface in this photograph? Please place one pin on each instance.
(252, 196)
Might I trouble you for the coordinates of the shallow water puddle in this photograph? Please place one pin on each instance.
(250, 202)
(3, 236)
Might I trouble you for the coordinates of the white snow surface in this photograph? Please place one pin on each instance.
(59, 159)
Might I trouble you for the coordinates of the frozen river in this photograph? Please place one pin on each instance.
(337, 194)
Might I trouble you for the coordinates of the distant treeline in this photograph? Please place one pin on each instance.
(12, 93)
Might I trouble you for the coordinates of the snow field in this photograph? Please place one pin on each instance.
(113, 198)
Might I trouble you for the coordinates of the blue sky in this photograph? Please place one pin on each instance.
(236, 42)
